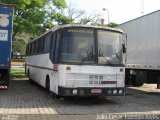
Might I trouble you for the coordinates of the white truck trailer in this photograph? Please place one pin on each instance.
(143, 49)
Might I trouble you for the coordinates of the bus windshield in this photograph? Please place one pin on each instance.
(109, 47)
(81, 46)
(78, 45)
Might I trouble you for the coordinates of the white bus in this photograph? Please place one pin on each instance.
(77, 60)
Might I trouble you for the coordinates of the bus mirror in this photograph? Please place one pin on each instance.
(123, 48)
(124, 39)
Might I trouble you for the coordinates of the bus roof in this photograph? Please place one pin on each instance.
(84, 26)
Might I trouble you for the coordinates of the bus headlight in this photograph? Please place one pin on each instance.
(74, 91)
(120, 91)
(114, 91)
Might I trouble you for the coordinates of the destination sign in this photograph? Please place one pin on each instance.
(80, 31)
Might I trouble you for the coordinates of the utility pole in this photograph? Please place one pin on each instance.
(107, 12)
(142, 7)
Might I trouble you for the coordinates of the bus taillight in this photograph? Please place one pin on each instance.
(55, 67)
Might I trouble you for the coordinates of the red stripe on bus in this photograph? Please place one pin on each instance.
(108, 82)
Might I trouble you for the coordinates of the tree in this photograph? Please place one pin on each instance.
(69, 15)
(32, 16)
(62, 19)
(74, 13)
(93, 19)
(112, 24)
(79, 16)
(19, 46)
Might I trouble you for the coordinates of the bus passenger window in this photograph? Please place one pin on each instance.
(56, 59)
(47, 42)
(54, 49)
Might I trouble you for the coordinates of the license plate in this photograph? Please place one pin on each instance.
(96, 90)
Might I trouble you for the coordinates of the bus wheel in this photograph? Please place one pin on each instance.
(47, 83)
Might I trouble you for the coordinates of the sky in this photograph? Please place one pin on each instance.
(120, 11)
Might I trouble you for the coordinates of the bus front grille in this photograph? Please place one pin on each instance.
(88, 80)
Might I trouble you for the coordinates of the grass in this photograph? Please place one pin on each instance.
(17, 63)
(18, 73)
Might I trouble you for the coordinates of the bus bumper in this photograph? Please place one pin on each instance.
(91, 91)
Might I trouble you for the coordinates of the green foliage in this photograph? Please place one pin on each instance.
(19, 46)
(60, 3)
(32, 16)
(112, 25)
(18, 73)
(84, 21)
(61, 19)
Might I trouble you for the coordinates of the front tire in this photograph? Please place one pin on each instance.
(47, 83)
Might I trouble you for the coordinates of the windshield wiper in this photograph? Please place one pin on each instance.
(107, 61)
(88, 59)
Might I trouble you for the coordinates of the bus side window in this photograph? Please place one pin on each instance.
(52, 47)
(32, 48)
(47, 42)
(54, 50)
(56, 59)
(41, 45)
(29, 49)
(35, 47)
(26, 51)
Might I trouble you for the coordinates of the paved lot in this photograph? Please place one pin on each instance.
(26, 101)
